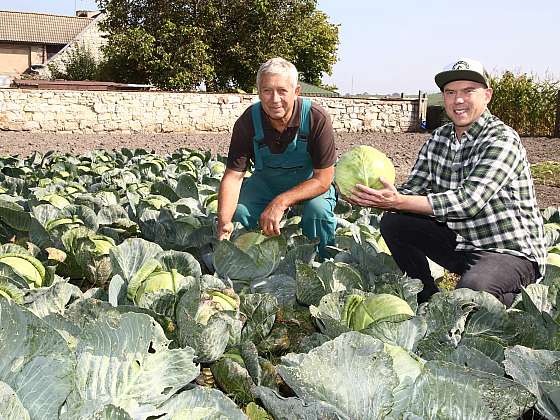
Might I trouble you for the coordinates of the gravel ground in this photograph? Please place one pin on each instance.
(401, 148)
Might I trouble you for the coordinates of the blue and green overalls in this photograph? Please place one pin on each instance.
(276, 173)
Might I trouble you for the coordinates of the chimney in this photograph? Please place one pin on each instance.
(87, 13)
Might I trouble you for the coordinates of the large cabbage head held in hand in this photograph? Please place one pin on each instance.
(363, 165)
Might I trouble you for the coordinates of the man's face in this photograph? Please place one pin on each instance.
(465, 101)
(277, 96)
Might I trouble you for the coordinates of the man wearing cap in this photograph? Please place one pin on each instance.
(469, 202)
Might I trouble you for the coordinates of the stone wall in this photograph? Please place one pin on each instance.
(71, 111)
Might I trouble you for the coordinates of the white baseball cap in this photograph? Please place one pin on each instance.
(463, 69)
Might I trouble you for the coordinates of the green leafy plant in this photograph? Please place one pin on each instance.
(525, 103)
(546, 173)
(280, 331)
(79, 64)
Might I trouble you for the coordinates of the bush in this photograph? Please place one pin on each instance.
(525, 103)
(80, 64)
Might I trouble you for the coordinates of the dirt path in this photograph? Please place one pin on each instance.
(401, 148)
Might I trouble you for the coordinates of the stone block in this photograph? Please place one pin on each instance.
(31, 107)
(105, 117)
(31, 126)
(100, 107)
(71, 125)
(11, 106)
(48, 125)
(49, 116)
(135, 126)
(16, 116)
(168, 127)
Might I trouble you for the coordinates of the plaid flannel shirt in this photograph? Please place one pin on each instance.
(481, 187)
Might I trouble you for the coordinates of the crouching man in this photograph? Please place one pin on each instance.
(469, 202)
(290, 142)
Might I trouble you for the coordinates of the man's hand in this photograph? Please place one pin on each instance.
(271, 217)
(386, 198)
(224, 230)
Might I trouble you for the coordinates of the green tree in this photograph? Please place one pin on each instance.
(178, 44)
(155, 42)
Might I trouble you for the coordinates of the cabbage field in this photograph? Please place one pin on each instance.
(116, 302)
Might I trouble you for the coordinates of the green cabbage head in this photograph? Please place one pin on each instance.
(363, 165)
(213, 301)
(359, 311)
(158, 280)
(28, 267)
(553, 259)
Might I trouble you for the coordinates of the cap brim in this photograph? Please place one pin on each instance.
(448, 76)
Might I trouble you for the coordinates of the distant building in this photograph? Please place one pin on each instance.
(29, 40)
(308, 89)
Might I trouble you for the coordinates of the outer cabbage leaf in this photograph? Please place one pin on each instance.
(281, 286)
(233, 378)
(54, 299)
(446, 317)
(404, 334)
(36, 361)
(328, 315)
(111, 412)
(183, 262)
(13, 214)
(539, 372)
(296, 409)
(260, 313)
(259, 260)
(447, 390)
(126, 361)
(351, 373)
(10, 405)
(201, 404)
(408, 367)
(202, 326)
(131, 255)
(304, 253)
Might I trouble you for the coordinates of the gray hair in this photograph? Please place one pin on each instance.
(280, 66)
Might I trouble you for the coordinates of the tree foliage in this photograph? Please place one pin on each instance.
(179, 44)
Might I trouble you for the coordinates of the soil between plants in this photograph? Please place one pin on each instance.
(402, 148)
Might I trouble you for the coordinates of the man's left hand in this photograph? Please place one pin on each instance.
(271, 217)
(385, 198)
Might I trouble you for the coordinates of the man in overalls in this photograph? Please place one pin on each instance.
(290, 142)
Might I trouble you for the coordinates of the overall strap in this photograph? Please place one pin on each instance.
(257, 122)
(259, 134)
(305, 119)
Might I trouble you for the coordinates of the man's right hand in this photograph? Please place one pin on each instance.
(224, 230)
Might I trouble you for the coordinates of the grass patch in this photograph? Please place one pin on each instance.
(546, 173)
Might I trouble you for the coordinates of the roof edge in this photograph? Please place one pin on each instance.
(48, 14)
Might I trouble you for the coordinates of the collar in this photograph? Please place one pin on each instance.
(476, 127)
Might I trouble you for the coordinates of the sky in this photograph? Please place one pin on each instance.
(399, 45)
